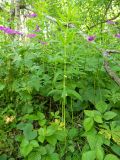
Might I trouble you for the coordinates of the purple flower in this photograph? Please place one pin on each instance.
(9, 31)
(91, 38)
(110, 22)
(19, 33)
(37, 29)
(2, 28)
(117, 35)
(31, 15)
(43, 43)
(31, 35)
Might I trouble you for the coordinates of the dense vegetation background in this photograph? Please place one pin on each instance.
(60, 80)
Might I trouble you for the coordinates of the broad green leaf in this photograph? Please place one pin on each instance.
(24, 142)
(50, 148)
(34, 156)
(31, 117)
(27, 109)
(60, 135)
(53, 156)
(71, 148)
(50, 130)
(116, 149)
(40, 115)
(116, 136)
(98, 118)
(111, 157)
(109, 115)
(29, 133)
(73, 132)
(91, 138)
(89, 155)
(2, 86)
(34, 143)
(42, 122)
(89, 113)
(41, 138)
(21, 126)
(42, 134)
(26, 150)
(42, 150)
(99, 153)
(3, 157)
(101, 106)
(74, 94)
(52, 140)
(88, 123)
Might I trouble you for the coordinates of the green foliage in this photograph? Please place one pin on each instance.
(56, 99)
(40, 143)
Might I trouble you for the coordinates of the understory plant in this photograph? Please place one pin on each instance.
(59, 80)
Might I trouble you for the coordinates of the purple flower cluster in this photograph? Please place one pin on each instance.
(42, 42)
(110, 22)
(32, 15)
(10, 31)
(91, 38)
(31, 35)
(117, 35)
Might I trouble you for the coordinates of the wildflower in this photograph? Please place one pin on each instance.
(9, 31)
(110, 22)
(43, 43)
(31, 35)
(31, 15)
(9, 119)
(37, 29)
(19, 33)
(91, 38)
(2, 28)
(117, 35)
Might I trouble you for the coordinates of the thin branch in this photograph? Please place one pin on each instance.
(111, 19)
(108, 7)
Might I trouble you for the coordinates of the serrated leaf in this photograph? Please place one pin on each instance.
(60, 135)
(101, 106)
(50, 130)
(116, 149)
(98, 119)
(42, 150)
(42, 122)
(34, 143)
(91, 138)
(74, 94)
(50, 148)
(89, 113)
(52, 140)
(88, 123)
(53, 156)
(73, 132)
(41, 138)
(34, 156)
(89, 155)
(42, 133)
(29, 133)
(99, 153)
(111, 157)
(109, 115)
(26, 150)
